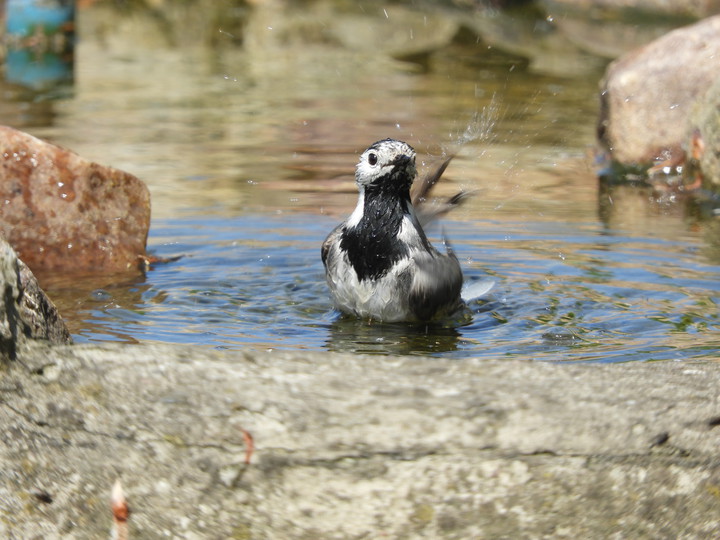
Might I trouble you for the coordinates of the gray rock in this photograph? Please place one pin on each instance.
(647, 95)
(26, 313)
(356, 446)
(704, 138)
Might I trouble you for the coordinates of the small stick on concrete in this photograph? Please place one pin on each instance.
(249, 445)
(121, 513)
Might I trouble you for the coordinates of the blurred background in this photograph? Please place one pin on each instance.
(246, 119)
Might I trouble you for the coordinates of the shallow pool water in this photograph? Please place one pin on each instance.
(248, 140)
(563, 291)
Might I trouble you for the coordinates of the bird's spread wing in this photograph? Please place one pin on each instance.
(428, 212)
(421, 190)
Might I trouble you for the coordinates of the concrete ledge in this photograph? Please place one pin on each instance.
(355, 446)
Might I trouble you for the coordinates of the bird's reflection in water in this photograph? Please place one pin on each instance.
(357, 336)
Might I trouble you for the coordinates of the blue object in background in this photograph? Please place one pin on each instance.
(37, 71)
(40, 40)
(23, 17)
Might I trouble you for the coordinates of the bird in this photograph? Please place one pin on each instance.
(379, 263)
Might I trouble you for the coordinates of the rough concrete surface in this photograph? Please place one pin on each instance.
(351, 446)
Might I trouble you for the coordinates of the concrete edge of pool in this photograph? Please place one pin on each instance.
(348, 446)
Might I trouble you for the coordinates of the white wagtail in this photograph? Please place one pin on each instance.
(379, 263)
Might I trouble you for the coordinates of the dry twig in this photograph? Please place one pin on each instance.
(121, 513)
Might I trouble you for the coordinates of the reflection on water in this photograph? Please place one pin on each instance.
(347, 335)
(247, 133)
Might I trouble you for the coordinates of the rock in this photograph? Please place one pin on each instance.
(647, 95)
(26, 313)
(63, 213)
(704, 138)
(352, 446)
(640, 9)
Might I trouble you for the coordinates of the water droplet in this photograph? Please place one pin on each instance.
(101, 295)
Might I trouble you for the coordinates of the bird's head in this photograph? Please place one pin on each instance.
(387, 165)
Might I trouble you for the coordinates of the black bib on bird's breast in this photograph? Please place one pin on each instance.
(372, 246)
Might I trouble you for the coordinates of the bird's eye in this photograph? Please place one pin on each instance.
(372, 158)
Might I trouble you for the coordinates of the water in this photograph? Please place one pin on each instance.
(249, 154)
(564, 291)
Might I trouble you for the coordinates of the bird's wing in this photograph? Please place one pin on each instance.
(429, 212)
(326, 250)
(436, 284)
(421, 190)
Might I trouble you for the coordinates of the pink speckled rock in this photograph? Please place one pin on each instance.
(63, 213)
